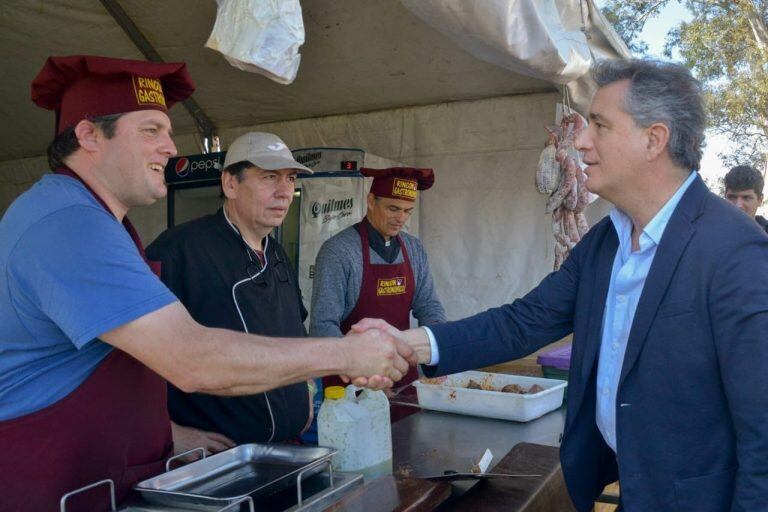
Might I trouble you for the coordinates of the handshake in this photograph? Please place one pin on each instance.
(380, 355)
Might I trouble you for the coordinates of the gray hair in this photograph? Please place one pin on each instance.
(661, 92)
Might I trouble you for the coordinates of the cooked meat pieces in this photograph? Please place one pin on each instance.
(516, 388)
(509, 388)
(473, 385)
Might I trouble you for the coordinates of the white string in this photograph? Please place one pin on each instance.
(237, 306)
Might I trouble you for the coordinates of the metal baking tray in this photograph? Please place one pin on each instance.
(450, 394)
(225, 478)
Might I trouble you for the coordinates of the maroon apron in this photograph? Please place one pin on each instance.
(114, 425)
(387, 293)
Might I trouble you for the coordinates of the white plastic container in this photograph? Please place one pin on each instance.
(452, 395)
(355, 421)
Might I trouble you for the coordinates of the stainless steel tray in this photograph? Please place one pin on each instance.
(246, 470)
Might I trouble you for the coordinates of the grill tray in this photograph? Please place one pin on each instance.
(224, 478)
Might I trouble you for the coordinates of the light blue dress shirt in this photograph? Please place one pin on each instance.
(630, 269)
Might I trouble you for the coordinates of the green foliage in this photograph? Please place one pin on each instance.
(629, 17)
(726, 47)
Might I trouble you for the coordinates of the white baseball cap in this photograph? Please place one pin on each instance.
(264, 150)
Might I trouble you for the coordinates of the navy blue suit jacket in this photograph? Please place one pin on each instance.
(692, 411)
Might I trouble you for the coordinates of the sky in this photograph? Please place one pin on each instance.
(654, 34)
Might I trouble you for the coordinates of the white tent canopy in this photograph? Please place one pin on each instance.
(373, 75)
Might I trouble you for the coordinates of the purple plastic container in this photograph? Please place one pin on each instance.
(559, 358)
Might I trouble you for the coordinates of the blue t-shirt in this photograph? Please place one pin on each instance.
(69, 273)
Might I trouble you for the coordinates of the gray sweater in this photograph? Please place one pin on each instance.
(339, 276)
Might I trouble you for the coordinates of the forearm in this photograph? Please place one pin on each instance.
(217, 361)
(249, 364)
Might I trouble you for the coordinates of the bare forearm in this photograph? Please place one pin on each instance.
(218, 361)
(223, 362)
(247, 364)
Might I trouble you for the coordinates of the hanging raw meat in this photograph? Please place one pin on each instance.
(548, 171)
(559, 174)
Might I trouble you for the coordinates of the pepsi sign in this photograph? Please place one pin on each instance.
(192, 168)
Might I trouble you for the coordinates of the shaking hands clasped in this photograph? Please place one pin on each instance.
(389, 353)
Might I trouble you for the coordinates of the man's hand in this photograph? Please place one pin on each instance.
(416, 338)
(188, 438)
(377, 323)
(376, 381)
(376, 359)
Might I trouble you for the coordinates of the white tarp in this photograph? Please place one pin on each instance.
(361, 56)
(540, 38)
(260, 36)
(552, 40)
(483, 223)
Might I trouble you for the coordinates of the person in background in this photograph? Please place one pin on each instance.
(88, 332)
(374, 269)
(229, 272)
(744, 188)
(667, 300)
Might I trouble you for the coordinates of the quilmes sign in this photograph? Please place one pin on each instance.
(330, 159)
(332, 209)
(185, 169)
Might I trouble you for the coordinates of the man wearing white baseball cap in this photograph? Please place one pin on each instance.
(230, 273)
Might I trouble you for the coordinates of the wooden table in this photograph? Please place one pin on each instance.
(387, 494)
(544, 494)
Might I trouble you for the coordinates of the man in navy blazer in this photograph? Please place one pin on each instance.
(667, 300)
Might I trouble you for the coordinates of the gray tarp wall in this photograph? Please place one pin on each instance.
(483, 223)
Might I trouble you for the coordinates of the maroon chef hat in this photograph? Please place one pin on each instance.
(399, 182)
(83, 86)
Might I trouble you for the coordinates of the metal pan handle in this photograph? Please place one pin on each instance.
(301, 474)
(63, 502)
(188, 452)
(245, 499)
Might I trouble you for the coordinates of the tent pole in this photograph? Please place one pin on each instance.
(204, 125)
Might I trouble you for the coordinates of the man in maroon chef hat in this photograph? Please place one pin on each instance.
(374, 270)
(88, 331)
